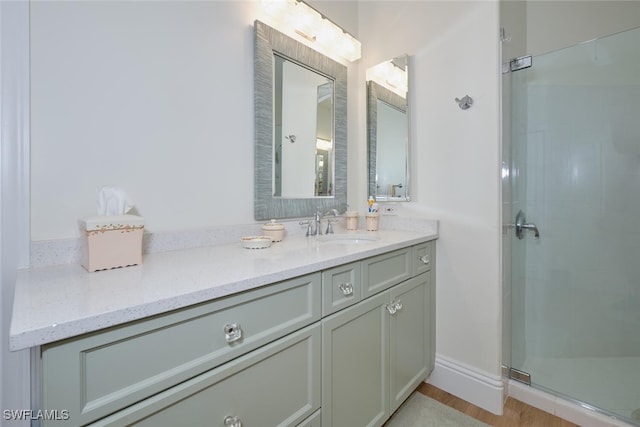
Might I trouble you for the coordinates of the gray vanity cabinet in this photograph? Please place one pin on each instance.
(341, 347)
(375, 353)
(97, 374)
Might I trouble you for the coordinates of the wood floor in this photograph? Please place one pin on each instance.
(515, 414)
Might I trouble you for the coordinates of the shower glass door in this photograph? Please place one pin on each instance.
(575, 173)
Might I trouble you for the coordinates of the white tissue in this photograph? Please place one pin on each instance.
(113, 201)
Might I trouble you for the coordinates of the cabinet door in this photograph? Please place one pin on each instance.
(275, 385)
(355, 352)
(409, 337)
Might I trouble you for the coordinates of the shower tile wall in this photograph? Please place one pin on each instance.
(576, 174)
(583, 191)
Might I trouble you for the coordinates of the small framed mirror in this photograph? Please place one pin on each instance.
(300, 128)
(388, 130)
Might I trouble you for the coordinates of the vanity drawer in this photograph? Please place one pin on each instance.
(341, 287)
(383, 271)
(100, 373)
(275, 385)
(423, 257)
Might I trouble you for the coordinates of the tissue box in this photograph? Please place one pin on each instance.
(111, 241)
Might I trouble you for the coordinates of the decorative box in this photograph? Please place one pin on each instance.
(111, 241)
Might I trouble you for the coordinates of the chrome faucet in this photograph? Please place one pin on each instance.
(314, 227)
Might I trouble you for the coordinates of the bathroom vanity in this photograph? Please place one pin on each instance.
(309, 332)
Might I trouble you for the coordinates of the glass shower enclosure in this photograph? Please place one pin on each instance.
(575, 178)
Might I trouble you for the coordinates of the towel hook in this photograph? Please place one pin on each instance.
(465, 103)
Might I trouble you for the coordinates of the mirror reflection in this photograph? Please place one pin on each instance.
(303, 131)
(388, 130)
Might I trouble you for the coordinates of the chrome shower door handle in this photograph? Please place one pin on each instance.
(521, 225)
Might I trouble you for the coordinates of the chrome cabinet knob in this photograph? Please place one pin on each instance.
(232, 421)
(424, 259)
(346, 288)
(232, 332)
(391, 308)
(394, 307)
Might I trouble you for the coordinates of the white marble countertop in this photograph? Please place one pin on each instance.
(58, 302)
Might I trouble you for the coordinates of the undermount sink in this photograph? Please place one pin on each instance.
(348, 239)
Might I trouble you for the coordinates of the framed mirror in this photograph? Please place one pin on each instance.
(300, 128)
(388, 130)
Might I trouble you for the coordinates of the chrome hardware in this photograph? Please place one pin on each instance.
(309, 230)
(394, 307)
(232, 421)
(518, 375)
(391, 308)
(465, 103)
(520, 63)
(346, 288)
(317, 219)
(330, 223)
(314, 227)
(521, 225)
(424, 259)
(232, 332)
(291, 138)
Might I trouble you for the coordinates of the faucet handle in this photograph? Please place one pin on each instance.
(330, 226)
(308, 224)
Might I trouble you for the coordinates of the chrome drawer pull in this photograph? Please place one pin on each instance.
(232, 332)
(399, 306)
(346, 288)
(232, 421)
(424, 259)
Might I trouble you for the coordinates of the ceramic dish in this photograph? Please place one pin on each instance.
(256, 242)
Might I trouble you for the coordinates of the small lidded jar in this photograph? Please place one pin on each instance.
(274, 230)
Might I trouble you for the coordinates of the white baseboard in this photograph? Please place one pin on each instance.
(480, 388)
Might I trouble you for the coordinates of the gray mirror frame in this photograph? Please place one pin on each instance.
(267, 42)
(377, 92)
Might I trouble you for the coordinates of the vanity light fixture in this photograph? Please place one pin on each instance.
(297, 18)
(323, 144)
(389, 76)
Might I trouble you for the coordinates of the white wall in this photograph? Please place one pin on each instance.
(154, 97)
(556, 24)
(453, 48)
